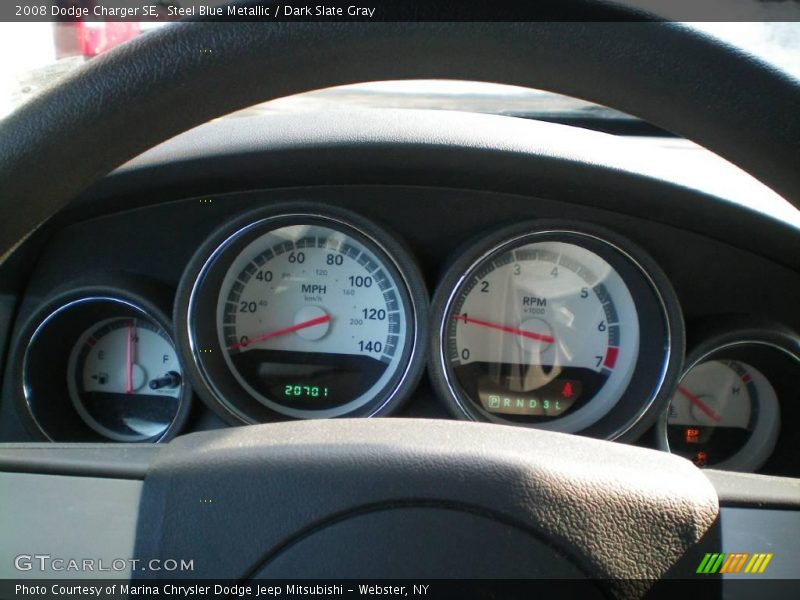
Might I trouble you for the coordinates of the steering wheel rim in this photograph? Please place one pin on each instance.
(181, 76)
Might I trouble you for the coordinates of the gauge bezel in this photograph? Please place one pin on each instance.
(732, 345)
(229, 399)
(658, 364)
(45, 342)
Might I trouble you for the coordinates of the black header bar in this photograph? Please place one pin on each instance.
(160, 11)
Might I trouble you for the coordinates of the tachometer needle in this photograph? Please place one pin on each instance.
(699, 403)
(547, 339)
(129, 383)
(279, 332)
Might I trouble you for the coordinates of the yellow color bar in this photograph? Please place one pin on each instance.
(758, 563)
(754, 562)
(767, 558)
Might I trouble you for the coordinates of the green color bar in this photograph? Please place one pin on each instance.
(717, 564)
(710, 563)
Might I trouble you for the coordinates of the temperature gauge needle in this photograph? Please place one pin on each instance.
(547, 339)
(699, 403)
(129, 383)
(279, 332)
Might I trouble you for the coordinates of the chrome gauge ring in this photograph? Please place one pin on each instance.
(101, 366)
(726, 410)
(558, 327)
(303, 312)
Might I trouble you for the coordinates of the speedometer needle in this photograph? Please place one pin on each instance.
(547, 339)
(699, 403)
(279, 332)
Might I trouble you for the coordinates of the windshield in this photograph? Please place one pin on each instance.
(34, 55)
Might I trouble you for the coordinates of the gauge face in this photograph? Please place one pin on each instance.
(124, 379)
(722, 415)
(543, 330)
(313, 319)
(310, 320)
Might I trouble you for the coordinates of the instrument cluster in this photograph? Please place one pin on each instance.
(304, 310)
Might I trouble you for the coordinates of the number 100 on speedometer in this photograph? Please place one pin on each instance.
(314, 317)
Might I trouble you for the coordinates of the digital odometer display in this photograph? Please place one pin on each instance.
(312, 318)
(304, 391)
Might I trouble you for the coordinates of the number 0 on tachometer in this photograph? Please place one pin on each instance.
(552, 329)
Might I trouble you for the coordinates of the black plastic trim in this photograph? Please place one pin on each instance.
(747, 490)
(112, 461)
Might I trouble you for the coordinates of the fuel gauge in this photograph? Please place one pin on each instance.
(100, 365)
(125, 380)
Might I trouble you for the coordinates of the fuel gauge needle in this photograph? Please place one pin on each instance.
(129, 383)
(699, 403)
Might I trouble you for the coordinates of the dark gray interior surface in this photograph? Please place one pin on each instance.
(59, 516)
(321, 474)
(665, 73)
(372, 483)
(461, 151)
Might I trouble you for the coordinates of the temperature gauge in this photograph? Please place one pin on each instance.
(124, 379)
(724, 414)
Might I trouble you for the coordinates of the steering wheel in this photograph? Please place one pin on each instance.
(392, 497)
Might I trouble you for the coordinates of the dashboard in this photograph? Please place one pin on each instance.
(248, 272)
(194, 311)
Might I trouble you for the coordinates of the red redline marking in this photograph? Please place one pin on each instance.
(611, 357)
(520, 332)
(699, 403)
(279, 332)
(746, 378)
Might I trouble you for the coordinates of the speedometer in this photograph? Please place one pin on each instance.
(555, 328)
(304, 314)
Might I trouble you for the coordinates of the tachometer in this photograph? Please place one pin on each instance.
(554, 328)
(310, 313)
